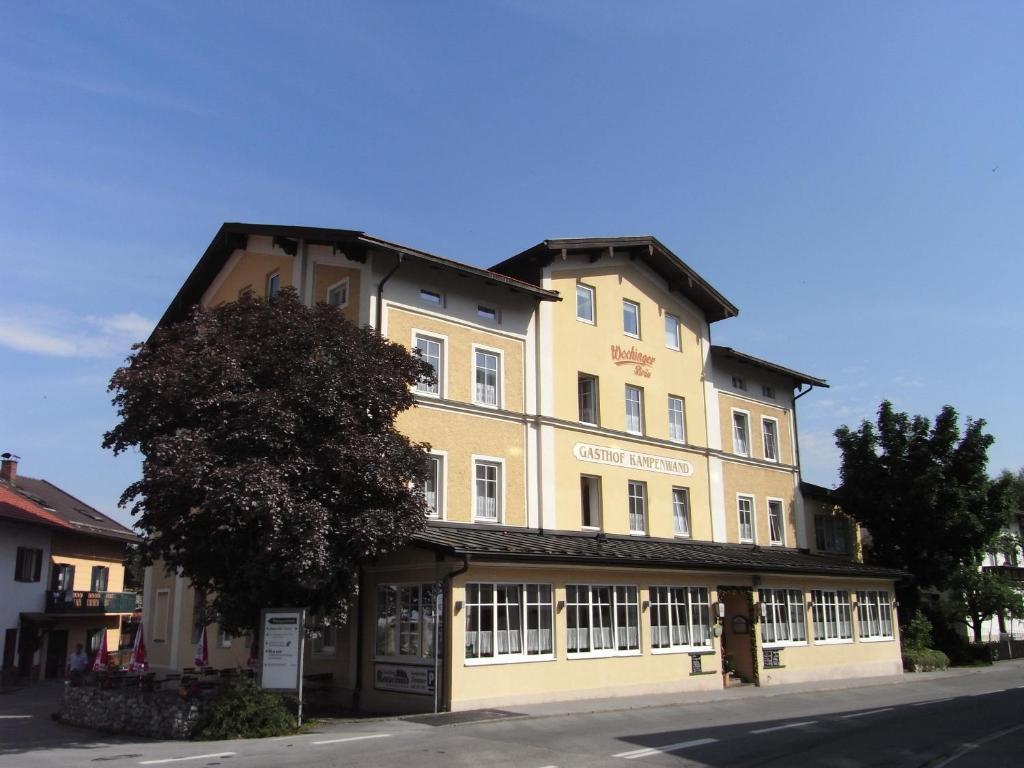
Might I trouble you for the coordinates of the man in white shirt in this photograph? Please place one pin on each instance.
(78, 662)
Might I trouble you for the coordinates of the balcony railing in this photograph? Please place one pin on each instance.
(90, 602)
(1011, 572)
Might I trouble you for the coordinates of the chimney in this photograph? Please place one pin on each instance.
(9, 467)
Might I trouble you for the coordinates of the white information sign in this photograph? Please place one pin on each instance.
(281, 649)
(617, 457)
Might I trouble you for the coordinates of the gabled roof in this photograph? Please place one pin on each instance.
(70, 513)
(797, 377)
(354, 243)
(678, 275)
(530, 545)
(17, 506)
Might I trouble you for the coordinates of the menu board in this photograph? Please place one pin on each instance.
(281, 649)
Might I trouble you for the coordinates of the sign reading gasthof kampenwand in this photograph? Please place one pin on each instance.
(599, 454)
(281, 649)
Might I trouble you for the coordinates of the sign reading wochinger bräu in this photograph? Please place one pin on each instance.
(617, 457)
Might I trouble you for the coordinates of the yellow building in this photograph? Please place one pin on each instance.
(616, 505)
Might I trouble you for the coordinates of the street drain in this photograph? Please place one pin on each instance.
(462, 718)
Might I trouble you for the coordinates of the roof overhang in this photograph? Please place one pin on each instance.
(797, 377)
(678, 276)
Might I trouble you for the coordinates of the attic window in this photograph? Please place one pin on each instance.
(768, 391)
(739, 383)
(431, 297)
(487, 313)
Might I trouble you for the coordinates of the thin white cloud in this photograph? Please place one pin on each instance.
(55, 333)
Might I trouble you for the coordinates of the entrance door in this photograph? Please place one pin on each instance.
(737, 633)
(56, 653)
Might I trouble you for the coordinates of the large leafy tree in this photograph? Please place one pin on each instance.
(272, 467)
(980, 594)
(921, 490)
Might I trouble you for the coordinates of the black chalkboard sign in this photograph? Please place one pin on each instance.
(695, 668)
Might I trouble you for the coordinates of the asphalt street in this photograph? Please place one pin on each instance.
(960, 719)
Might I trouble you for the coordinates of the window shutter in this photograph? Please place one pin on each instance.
(38, 570)
(19, 564)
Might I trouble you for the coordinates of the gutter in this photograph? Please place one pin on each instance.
(796, 431)
(380, 292)
(445, 583)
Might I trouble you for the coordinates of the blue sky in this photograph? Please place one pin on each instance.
(849, 174)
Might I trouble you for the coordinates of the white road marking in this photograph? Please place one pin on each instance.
(933, 701)
(648, 751)
(15, 717)
(784, 727)
(869, 712)
(181, 759)
(974, 745)
(354, 738)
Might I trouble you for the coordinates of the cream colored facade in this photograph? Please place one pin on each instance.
(580, 405)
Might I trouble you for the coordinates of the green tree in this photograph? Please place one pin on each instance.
(272, 466)
(979, 594)
(922, 491)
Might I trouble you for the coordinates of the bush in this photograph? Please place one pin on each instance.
(917, 633)
(924, 660)
(241, 710)
(948, 629)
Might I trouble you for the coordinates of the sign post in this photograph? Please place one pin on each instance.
(280, 667)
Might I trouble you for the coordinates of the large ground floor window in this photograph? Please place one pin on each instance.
(602, 620)
(680, 617)
(405, 620)
(832, 620)
(784, 616)
(509, 621)
(874, 615)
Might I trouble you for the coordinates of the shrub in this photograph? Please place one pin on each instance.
(241, 710)
(917, 633)
(924, 660)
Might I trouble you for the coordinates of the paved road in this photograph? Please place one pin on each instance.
(961, 720)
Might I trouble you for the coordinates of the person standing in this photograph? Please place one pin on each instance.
(78, 662)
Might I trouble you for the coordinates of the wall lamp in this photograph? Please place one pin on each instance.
(560, 606)
(458, 606)
(720, 610)
(762, 611)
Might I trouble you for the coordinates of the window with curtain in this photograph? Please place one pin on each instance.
(488, 377)
(831, 611)
(508, 621)
(602, 620)
(680, 617)
(784, 616)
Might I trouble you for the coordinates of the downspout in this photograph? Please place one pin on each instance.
(380, 293)
(357, 691)
(445, 587)
(796, 431)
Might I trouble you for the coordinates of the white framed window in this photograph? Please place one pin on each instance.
(739, 383)
(99, 578)
(433, 298)
(631, 318)
(832, 534)
(586, 387)
(431, 349)
(602, 620)
(487, 490)
(785, 617)
(509, 622)
(634, 410)
(681, 511)
(486, 376)
(768, 392)
(585, 303)
(590, 501)
(637, 493)
(406, 621)
(740, 432)
(770, 431)
(433, 486)
(776, 522)
(676, 419)
(672, 332)
(337, 294)
(325, 641)
(874, 616)
(831, 611)
(745, 515)
(490, 314)
(680, 618)
(273, 284)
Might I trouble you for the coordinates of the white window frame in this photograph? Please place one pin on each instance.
(346, 282)
(441, 508)
(580, 375)
(639, 327)
(522, 656)
(781, 541)
(592, 320)
(880, 602)
(688, 533)
(681, 437)
(782, 603)
(749, 498)
(442, 373)
(614, 615)
(734, 412)
(640, 405)
(677, 345)
(431, 298)
(764, 439)
(672, 605)
(595, 501)
(499, 390)
(500, 490)
(413, 659)
(820, 601)
(629, 504)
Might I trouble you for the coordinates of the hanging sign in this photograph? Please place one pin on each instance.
(599, 454)
(281, 649)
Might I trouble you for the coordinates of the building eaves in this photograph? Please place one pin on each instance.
(74, 513)
(531, 545)
(678, 275)
(797, 377)
(15, 505)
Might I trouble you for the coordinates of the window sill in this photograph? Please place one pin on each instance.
(876, 639)
(485, 521)
(840, 641)
(422, 393)
(681, 536)
(635, 434)
(692, 650)
(638, 533)
(584, 320)
(590, 528)
(495, 406)
(784, 644)
(510, 659)
(602, 655)
(629, 335)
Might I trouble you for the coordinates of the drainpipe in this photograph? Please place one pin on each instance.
(380, 293)
(357, 691)
(796, 431)
(445, 584)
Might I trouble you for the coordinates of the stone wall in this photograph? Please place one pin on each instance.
(156, 714)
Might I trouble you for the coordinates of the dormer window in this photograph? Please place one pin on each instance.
(337, 294)
(431, 297)
(487, 313)
(767, 391)
(739, 383)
